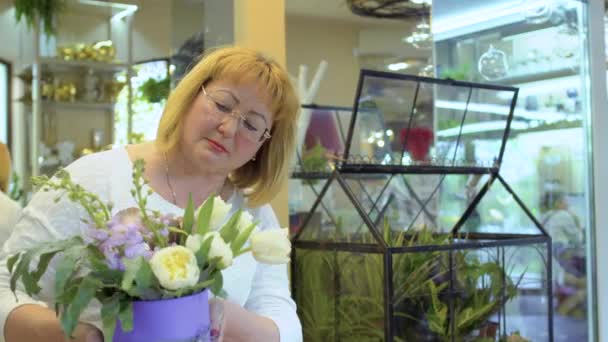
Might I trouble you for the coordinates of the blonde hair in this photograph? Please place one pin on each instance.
(5, 167)
(262, 177)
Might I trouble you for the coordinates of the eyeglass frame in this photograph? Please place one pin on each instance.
(240, 116)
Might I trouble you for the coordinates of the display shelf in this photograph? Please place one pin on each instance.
(77, 105)
(57, 78)
(538, 76)
(57, 65)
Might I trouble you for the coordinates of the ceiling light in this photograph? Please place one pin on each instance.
(398, 66)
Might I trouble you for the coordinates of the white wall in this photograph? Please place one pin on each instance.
(310, 40)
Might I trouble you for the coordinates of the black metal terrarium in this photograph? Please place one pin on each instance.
(410, 232)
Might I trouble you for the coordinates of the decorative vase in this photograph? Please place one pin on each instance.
(171, 320)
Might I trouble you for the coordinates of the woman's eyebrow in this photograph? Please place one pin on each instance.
(231, 94)
(258, 114)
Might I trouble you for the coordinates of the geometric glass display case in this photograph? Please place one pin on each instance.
(410, 237)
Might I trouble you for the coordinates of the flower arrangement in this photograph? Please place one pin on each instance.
(139, 255)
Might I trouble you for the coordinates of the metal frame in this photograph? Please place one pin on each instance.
(468, 241)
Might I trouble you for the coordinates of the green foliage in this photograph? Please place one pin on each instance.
(460, 73)
(45, 10)
(16, 192)
(154, 91)
(314, 159)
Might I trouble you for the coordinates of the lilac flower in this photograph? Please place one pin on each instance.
(136, 250)
(124, 236)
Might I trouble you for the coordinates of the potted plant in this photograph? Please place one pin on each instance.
(46, 11)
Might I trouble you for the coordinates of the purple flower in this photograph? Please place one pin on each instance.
(114, 261)
(141, 249)
(98, 234)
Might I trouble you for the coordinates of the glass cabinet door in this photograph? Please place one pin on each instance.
(541, 48)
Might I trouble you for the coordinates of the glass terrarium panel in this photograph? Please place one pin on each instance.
(454, 196)
(302, 196)
(325, 138)
(385, 107)
(418, 279)
(335, 219)
(316, 293)
(498, 212)
(360, 310)
(370, 191)
(485, 119)
(340, 295)
(407, 204)
(527, 311)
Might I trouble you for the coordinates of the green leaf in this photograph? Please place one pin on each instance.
(43, 264)
(67, 267)
(10, 263)
(204, 216)
(100, 269)
(230, 230)
(203, 252)
(218, 283)
(189, 215)
(86, 292)
(69, 293)
(110, 307)
(126, 315)
(139, 280)
(242, 238)
(21, 270)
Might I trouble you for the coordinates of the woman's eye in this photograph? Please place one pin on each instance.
(223, 107)
(249, 126)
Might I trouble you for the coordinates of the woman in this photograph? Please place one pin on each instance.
(227, 128)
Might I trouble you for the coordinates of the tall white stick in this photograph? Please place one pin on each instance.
(308, 98)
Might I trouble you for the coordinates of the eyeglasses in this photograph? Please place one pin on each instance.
(252, 126)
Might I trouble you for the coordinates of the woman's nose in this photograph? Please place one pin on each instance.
(229, 125)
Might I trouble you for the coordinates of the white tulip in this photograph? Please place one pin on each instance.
(245, 221)
(219, 248)
(219, 213)
(175, 267)
(271, 246)
(194, 242)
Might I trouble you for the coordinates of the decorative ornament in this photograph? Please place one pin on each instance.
(492, 64)
(390, 8)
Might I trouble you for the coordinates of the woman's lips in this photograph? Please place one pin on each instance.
(217, 146)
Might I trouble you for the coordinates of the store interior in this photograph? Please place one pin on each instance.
(99, 76)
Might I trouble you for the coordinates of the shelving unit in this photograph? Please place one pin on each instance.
(90, 107)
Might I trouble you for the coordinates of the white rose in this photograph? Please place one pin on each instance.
(219, 213)
(245, 221)
(271, 246)
(219, 248)
(175, 267)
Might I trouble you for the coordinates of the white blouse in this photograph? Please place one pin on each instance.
(259, 288)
